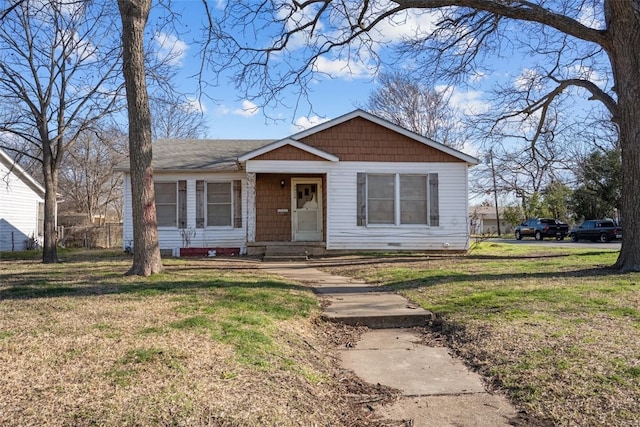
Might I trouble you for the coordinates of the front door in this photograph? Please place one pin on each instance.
(306, 208)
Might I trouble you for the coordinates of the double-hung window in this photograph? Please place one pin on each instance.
(218, 204)
(171, 203)
(398, 199)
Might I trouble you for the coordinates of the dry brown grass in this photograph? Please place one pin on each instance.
(554, 328)
(80, 344)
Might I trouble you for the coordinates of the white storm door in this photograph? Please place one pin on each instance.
(306, 209)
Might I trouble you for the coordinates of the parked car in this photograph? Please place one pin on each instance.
(602, 230)
(539, 228)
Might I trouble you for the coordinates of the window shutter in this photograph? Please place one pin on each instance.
(182, 204)
(199, 204)
(434, 201)
(237, 204)
(361, 214)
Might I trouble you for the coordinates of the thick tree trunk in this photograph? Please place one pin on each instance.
(50, 248)
(146, 252)
(624, 29)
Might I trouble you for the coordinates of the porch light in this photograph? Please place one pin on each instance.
(282, 183)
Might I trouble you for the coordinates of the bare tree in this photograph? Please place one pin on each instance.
(146, 256)
(579, 44)
(59, 75)
(173, 116)
(405, 101)
(89, 183)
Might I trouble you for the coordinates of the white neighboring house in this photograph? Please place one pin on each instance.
(356, 182)
(21, 207)
(483, 220)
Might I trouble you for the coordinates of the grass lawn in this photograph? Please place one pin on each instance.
(205, 343)
(552, 326)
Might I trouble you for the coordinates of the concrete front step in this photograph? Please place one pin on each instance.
(375, 310)
(291, 251)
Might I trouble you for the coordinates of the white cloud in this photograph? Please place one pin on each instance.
(406, 24)
(477, 76)
(170, 48)
(528, 79)
(588, 73)
(304, 122)
(248, 109)
(589, 18)
(195, 105)
(470, 149)
(469, 103)
(342, 68)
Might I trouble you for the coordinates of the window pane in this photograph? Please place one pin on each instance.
(413, 187)
(380, 212)
(218, 192)
(218, 204)
(166, 215)
(381, 186)
(413, 199)
(165, 192)
(381, 199)
(218, 215)
(413, 212)
(166, 203)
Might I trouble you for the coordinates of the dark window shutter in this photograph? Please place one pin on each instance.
(182, 204)
(237, 204)
(434, 200)
(199, 204)
(361, 199)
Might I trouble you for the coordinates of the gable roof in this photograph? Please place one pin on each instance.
(292, 142)
(17, 170)
(386, 124)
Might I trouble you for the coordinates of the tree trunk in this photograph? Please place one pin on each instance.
(624, 28)
(50, 249)
(146, 251)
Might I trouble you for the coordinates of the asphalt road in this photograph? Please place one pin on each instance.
(614, 245)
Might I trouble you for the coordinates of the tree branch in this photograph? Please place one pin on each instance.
(520, 10)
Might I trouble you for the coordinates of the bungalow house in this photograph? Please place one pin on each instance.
(356, 182)
(21, 207)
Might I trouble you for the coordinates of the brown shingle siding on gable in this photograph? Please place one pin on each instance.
(288, 152)
(359, 140)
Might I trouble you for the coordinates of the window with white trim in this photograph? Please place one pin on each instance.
(171, 203)
(398, 199)
(218, 204)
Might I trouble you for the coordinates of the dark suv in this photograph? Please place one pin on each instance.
(602, 230)
(539, 228)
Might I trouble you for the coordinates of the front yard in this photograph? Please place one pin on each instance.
(215, 342)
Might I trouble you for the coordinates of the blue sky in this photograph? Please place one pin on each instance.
(231, 116)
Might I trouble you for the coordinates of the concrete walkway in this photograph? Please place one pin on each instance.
(437, 390)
